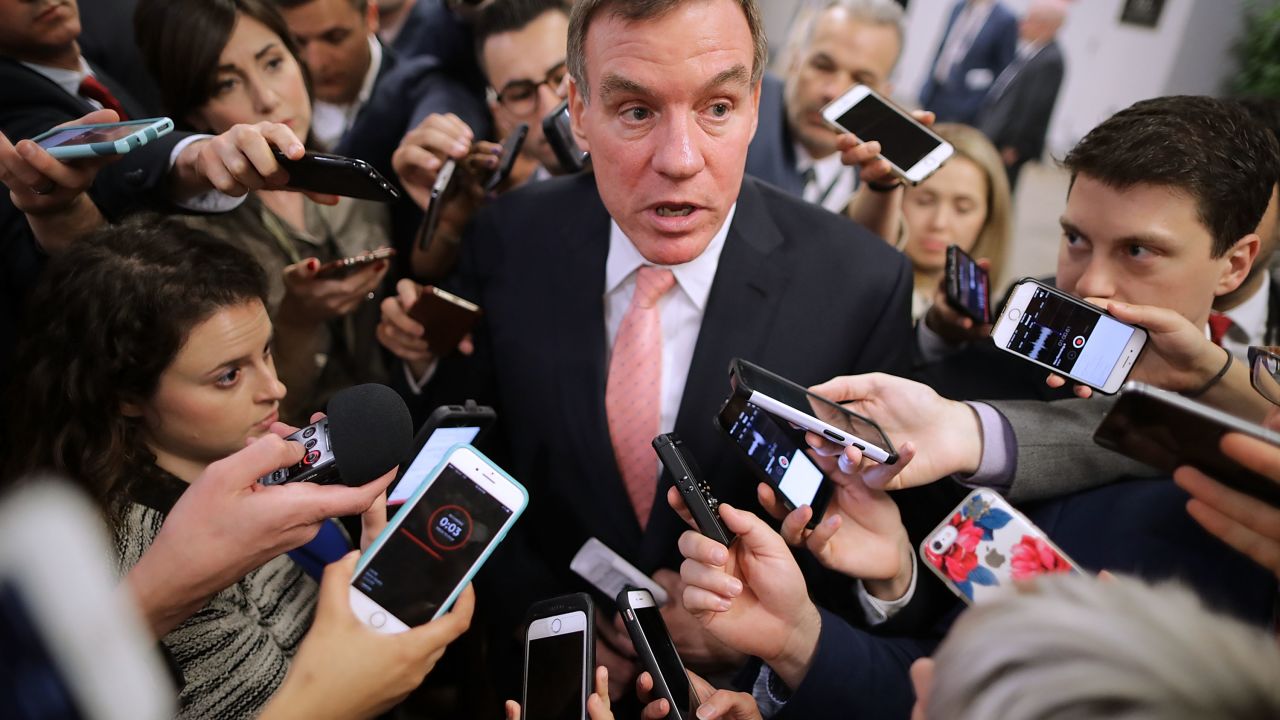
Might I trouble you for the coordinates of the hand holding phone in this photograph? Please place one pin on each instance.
(70, 142)
(445, 318)
(688, 480)
(346, 267)
(968, 286)
(510, 151)
(657, 652)
(559, 658)
(913, 151)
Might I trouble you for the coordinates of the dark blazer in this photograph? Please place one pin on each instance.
(1136, 527)
(107, 40)
(1016, 113)
(958, 99)
(432, 29)
(772, 155)
(802, 291)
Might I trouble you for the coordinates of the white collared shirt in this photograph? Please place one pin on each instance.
(833, 181)
(68, 80)
(1249, 320)
(681, 309)
(968, 25)
(329, 122)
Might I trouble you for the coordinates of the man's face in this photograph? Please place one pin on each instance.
(517, 64)
(1145, 245)
(671, 112)
(843, 52)
(333, 40)
(34, 30)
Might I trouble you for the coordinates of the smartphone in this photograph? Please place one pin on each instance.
(445, 317)
(339, 269)
(448, 425)
(684, 472)
(968, 286)
(1068, 336)
(1166, 430)
(441, 191)
(814, 413)
(776, 452)
(913, 151)
(73, 645)
(610, 573)
(657, 652)
(510, 151)
(82, 141)
(436, 544)
(559, 658)
(985, 545)
(557, 128)
(337, 175)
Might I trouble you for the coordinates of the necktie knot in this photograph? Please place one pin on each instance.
(651, 284)
(92, 88)
(1219, 324)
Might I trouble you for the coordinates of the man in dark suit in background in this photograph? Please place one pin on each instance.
(846, 42)
(414, 28)
(614, 302)
(1016, 112)
(979, 43)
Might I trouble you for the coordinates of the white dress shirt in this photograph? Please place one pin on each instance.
(211, 201)
(1249, 320)
(681, 309)
(329, 122)
(833, 181)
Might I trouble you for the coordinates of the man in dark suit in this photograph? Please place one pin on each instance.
(979, 43)
(107, 40)
(613, 302)
(847, 42)
(1016, 111)
(417, 28)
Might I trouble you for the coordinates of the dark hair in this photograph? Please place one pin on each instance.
(636, 10)
(104, 322)
(1265, 110)
(360, 6)
(504, 16)
(1210, 149)
(181, 41)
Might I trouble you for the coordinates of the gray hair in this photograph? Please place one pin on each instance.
(886, 13)
(636, 10)
(1076, 647)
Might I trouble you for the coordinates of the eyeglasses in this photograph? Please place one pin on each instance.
(1264, 372)
(520, 97)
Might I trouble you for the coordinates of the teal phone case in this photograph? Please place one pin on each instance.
(417, 495)
(143, 135)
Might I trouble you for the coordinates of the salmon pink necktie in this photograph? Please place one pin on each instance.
(633, 391)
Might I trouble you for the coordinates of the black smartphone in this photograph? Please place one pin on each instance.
(559, 658)
(510, 151)
(968, 286)
(558, 130)
(339, 269)
(684, 472)
(337, 175)
(657, 652)
(776, 452)
(441, 190)
(1166, 430)
(448, 425)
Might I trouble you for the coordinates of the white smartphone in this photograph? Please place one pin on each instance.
(779, 396)
(914, 152)
(82, 141)
(433, 547)
(559, 658)
(1068, 336)
(73, 645)
(610, 573)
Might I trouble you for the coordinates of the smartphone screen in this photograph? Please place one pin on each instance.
(969, 286)
(554, 671)
(428, 458)
(1072, 338)
(433, 547)
(775, 450)
(901, 141)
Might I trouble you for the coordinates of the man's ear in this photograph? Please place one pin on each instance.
(577, 112)
(755, 109)
(1237, 262)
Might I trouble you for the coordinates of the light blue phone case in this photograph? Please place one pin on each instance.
(369, 554)
(155, 128)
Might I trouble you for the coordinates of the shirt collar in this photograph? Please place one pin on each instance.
(375, 65)
(68, 80)
(825, 170)
(1251, 315)
(694, 277)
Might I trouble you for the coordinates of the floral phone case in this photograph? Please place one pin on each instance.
(986, 546)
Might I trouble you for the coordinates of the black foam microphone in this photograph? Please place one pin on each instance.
(366, 433)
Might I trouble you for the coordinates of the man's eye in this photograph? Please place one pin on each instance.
(637, 114)
(1137, 251)
(720, 110)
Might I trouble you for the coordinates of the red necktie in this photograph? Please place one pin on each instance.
(1219, 324)
(633, 390)
(96, 91)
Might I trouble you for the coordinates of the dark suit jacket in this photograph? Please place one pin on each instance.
(801, 291)
(1018, 115)
(993, 48)
(33, 104)
(432, 29)
(772, 155)
(1137, 527)
(107, 40)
